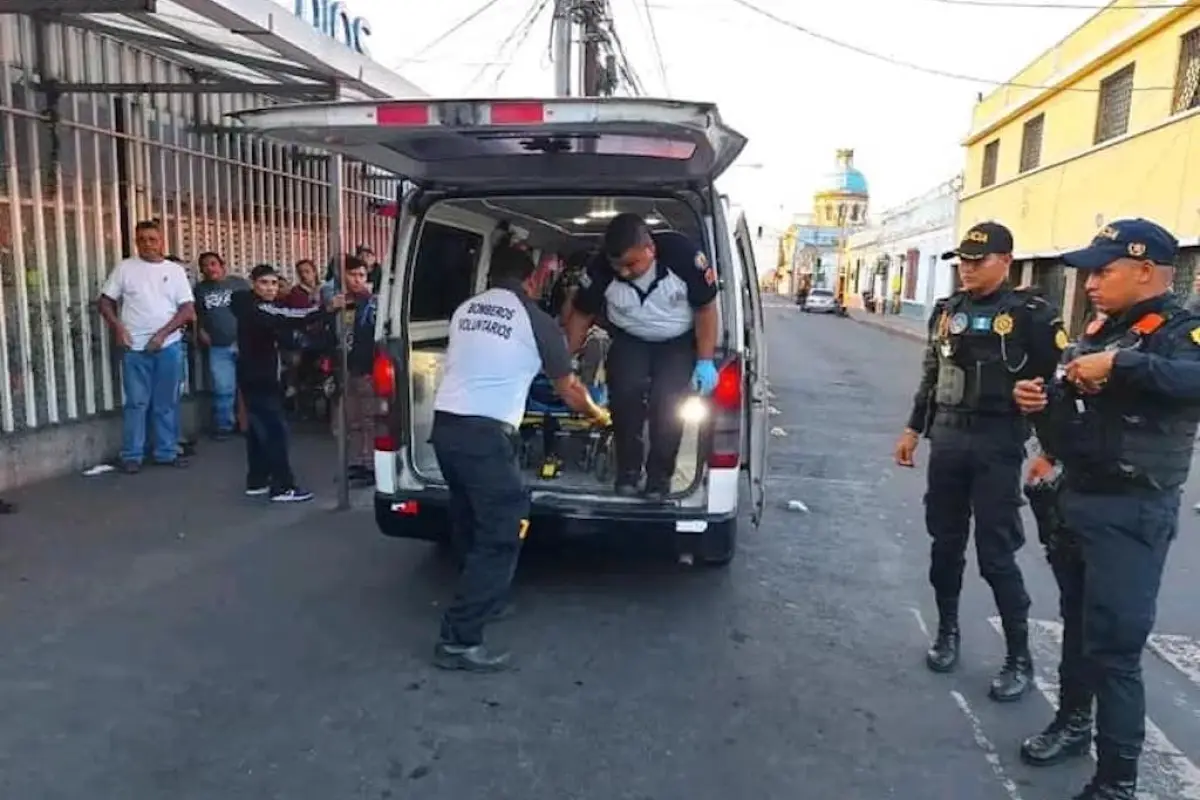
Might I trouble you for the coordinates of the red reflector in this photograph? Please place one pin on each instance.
(517, 113)
(727, 395)
(386, 444)
(326, 365)
(402, 114)
(724, 460)
(406, 507)
(383, 375)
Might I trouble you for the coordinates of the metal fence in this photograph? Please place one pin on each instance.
(77, 174)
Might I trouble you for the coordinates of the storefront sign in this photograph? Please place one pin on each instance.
(335, 21)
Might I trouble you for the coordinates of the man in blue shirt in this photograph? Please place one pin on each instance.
(1121, 418)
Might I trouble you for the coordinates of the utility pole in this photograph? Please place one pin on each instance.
(564, 27)
(592, 36)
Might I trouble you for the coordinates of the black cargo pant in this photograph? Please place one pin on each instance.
(648, 378)
(975, 471)
(488, 501)
(1123, 539)
(1065, 557)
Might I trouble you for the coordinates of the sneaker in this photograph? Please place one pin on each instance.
(291, 496)
(257, 491)
(179, 462)
(469, 659)
(130, 467)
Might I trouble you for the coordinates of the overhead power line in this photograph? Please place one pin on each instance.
(658, 53)
(525, 31)
(453, 29)
(1050, 6)
(523, 24)
(897, 62)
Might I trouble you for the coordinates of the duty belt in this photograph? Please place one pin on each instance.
(1086, 482)
(965, 418)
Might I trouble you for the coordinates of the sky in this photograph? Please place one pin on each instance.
(797, 98)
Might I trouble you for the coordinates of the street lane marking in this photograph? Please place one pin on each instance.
(1181, 652)
(985, 744)
(1166, 773)
(916, 612)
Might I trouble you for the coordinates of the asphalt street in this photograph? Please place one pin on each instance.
(162, 637)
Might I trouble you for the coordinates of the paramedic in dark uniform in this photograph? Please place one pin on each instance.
(1121, 418)
(499, 341)
(982, 339)
(658, 293)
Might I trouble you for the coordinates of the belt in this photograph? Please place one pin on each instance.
(955, 418)
(478, 423)
(1091, 483)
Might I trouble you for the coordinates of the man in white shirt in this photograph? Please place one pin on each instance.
(146, 301)
(499, 341)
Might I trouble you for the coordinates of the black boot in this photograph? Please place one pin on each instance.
(942, 655)
(1068, 736)
(1116, 779)
(1015, 678)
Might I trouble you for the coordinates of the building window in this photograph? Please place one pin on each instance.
(1187, 82)
(1031, 143)
(443, 272)
(913, 259)
(1116, 96)
(991, 155)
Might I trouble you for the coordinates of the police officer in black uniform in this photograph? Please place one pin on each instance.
(1121, 417)
(982, 339)
(658, 293)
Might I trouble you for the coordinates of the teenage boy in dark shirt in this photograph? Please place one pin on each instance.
(260, 322)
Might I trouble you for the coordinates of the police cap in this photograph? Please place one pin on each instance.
(1126, 238)
(982, 240)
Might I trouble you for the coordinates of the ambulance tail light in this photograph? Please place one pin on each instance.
(727, 415)
(383, 379)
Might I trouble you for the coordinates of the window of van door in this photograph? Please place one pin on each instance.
(443, 271)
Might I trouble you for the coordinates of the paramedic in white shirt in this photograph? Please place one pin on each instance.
(499, 341)
(146, 301)
(658, 293)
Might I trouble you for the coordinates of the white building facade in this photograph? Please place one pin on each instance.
(898, 255)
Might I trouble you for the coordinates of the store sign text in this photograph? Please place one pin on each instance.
(335, 21)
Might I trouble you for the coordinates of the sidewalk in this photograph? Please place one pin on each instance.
(900, 326)
(78, 542)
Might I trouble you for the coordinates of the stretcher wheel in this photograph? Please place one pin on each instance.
(603, 460)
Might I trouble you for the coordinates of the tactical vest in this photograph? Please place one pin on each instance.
(981, 352)
(1122, 438)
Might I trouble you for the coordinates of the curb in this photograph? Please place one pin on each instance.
(895, 330)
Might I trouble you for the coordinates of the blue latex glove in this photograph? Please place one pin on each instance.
(704, 377)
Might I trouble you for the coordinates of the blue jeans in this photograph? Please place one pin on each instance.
(222, 371)
(151, 382)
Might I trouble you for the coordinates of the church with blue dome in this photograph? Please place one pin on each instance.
(810, 248)
(841, 198)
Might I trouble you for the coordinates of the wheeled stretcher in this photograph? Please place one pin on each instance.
(546, 414)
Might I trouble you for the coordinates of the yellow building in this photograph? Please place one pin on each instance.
(1105, 124)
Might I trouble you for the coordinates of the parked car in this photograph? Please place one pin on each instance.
(563, 166)
(822, 301)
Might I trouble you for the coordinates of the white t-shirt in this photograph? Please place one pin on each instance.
(149, 293)
(499, 341)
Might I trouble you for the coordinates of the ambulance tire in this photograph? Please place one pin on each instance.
(718, 544)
